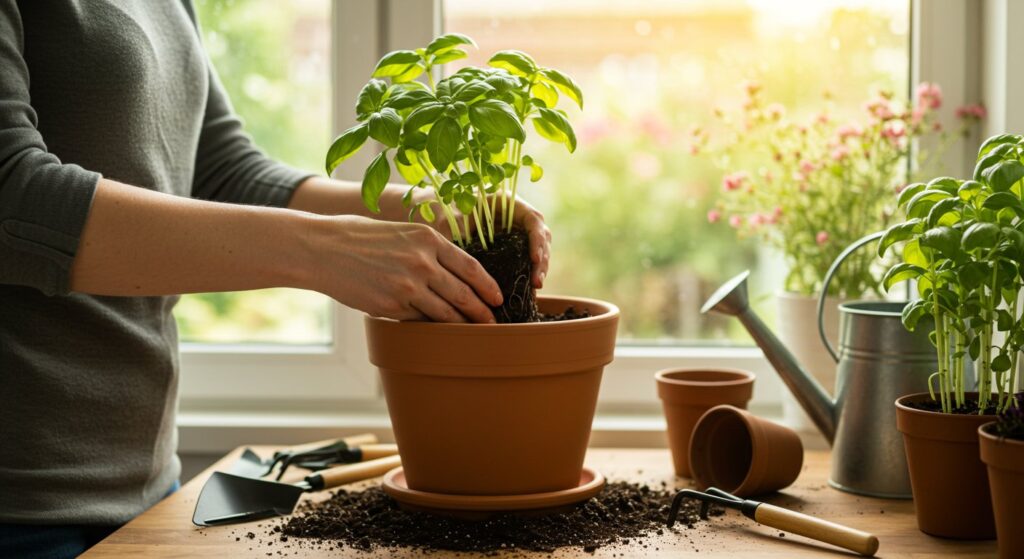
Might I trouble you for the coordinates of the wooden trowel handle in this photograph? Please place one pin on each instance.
(374, 451)
(816, 529)
(352, 441)
(349, 473)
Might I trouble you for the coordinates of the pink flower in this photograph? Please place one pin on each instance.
(971, 112)
(735, 221)
(595, 130)
(821, 237)
(851, 130)
(840, 153)
(776, 111)
(714, 216)
(929, 95)
(807, 167)
(758, 220)
(776, 215)
(734, 181)
(694, 149)
(655, 128)
(751, 87)
(822, 118)
(916, 116)
(879, 108)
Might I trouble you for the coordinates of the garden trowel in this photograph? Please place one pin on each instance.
(251, 465)
(228, 498)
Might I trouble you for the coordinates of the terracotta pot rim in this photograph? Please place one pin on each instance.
(741, 377)
(936, 425)
(923, 395)
(726, 410)
(983, 432)
(610, 312)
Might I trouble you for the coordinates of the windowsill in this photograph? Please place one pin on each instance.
(215, 433)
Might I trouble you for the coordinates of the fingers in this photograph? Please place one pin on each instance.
(435, 308)
(461, 296)
(466, 268)
(540, 245)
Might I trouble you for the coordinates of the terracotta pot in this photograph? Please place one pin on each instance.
(947, 477)
(740, 453)
(1005, 461)
(797, 327)
(500, 409)
(687, 393)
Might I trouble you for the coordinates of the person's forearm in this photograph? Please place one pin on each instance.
(138, 242)
(325, 196)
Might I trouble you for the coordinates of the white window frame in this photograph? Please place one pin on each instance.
(318, 389)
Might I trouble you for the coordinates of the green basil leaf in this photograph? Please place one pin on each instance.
(943, 208)
(898, 232)
(1000, 200)
(385, 127)
(946, 240)
(448, 41)
(1003, 175)
(411, 73)
(442, 143)
(564, 83)
(996, 141)
(515, 62)
(922, 202)
(993, 157)
(410, 170)
(912, 254)
(422, 116)
(972, 274)
(370, 98)
(409, 99)
(395, 63)
(909, 192)
(449, 56)
(536, 172)
(345, 145)
(496, 118)
(471, 90)
(547, 94)
(469, 178)
(901, 272)
(465, 201)
(913, 312)
(980, 235)
(565, 133)
(946, 184)
(374, 181)
(968, 190)
(427, 212)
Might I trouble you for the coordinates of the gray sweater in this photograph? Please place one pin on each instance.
(88, 384)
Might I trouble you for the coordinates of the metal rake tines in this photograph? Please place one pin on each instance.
(711, 496)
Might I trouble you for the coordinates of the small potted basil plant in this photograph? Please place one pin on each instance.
(964, 247)
(1002, 450)
(484, 409)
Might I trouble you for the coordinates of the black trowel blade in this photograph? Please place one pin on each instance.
(228, 498)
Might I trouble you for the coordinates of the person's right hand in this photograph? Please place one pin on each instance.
(405, 271)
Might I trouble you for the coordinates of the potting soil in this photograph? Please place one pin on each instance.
(622, 513)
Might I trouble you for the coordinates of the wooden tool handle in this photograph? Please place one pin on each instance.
(374, 451)
(352, 441)
(816, 529)
(353, 472)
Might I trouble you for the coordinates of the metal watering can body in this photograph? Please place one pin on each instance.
(878, 361)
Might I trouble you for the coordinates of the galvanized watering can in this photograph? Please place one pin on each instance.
(878, 361)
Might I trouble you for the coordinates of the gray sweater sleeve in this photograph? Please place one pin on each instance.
(43, 202)
(229, 168)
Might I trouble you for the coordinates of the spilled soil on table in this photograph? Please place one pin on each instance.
(623, 513)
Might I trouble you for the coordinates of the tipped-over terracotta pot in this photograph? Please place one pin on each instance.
(740, 453)
(1005, 461)
(950, 485)
(494, 409)
(687, 393)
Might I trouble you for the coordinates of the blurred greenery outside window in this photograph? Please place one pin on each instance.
(628, 210)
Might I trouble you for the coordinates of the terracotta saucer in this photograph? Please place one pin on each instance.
(477, 506)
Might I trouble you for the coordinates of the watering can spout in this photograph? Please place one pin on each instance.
(731, 299)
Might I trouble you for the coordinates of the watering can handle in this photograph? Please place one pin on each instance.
(828, 279)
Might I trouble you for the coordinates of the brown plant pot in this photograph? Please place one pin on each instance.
(740, 453)
(497, 409)
(687, 393)
(947, 477)
(1005, 461)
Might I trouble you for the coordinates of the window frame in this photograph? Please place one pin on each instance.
(945, 48)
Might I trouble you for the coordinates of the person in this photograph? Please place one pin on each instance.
(126, 179)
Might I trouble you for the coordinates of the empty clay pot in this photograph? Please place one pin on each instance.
(947, 476)
(740, 453)
(494, 409)
(1005, 461)
(687, 393)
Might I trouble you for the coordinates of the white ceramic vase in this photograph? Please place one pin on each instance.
(797, 328)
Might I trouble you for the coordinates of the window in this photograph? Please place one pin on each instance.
(274, 61)
(629, 208)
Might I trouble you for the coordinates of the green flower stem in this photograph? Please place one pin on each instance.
(449, 216)
(510, 216)
(482, 196)
(941, 342)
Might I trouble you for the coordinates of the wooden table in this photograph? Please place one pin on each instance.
(166, 530)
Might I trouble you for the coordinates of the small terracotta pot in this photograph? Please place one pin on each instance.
(1005, 461)
(687, 393)
(740, 453)
(494, 409)
(947, 477)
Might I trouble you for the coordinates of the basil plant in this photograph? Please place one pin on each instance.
(461, 136)
(964, 246)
